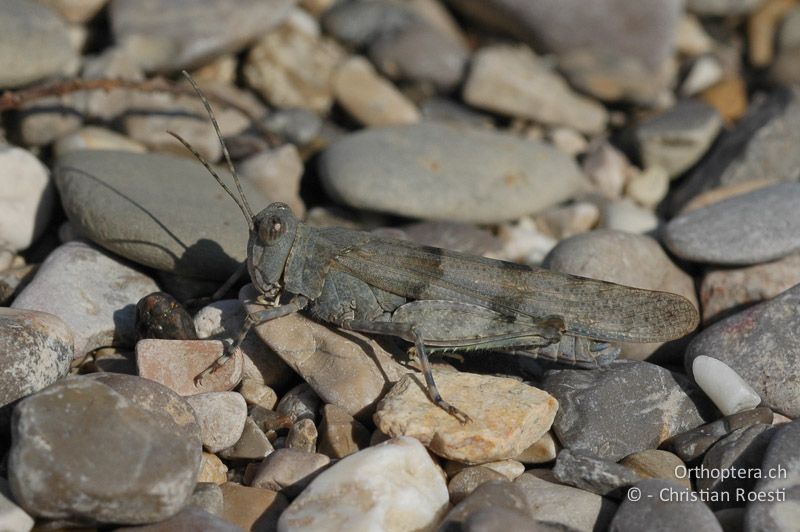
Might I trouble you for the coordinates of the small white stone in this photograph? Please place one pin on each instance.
(392, 486)
(626, 216)
(649, 187)
(12, 517)
(724, 386)
(704, 72)
(221, 416)
(26, 197)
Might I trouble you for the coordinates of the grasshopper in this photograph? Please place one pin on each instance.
(436, 299)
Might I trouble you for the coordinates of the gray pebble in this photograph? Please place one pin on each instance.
(359, 23)
(37, 350)
(190, 518)
(659, 509)
(468, 479)
(592, 418)
(444, 171)
(12, 517)
(207, 496)
(154, 209)
(721, 8)
(92, 291)
(679, 137)
(301, 402)
(493, 494)
(694, 443)
(777, 499)
(546, 499)
(34, 44)
(167, 35)
(762, 346)
(747, 229)
(66, 460)
(252, 444)
(623, 55)
(761, 146)
(289, 471)
(586, 471)
(221, 416)
(743, 451)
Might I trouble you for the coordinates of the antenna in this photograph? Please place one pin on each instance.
(244, 206)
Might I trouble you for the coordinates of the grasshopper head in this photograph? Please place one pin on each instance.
(270, 241)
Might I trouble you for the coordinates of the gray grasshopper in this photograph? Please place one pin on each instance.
(440, 300)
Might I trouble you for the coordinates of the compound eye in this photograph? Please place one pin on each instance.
(271, 229)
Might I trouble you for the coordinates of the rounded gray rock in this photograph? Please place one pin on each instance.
(170, 35)
(36, 351)
(768, 513)
(92, 291)
(591, 417)
(34, 44)
(655, 511)
(447, 171)
(161, 211)
(761, 344)
(755, 227)
(108, 448)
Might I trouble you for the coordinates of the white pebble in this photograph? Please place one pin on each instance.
(724, 386)
(26, 198)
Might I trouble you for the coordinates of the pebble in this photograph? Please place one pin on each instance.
(392, 486)
(729, 96)
(724, 291)
(748, 150)
(513, 81)
(44, 37)
(655, 463)
(208, 497)
(40, 125)
(724, 192)
(652, 511)
(291, 67)
(624, 54)
(492, 496)
(769, 513)
(584, 470)
(12, 517)
(568, 140)
(564, 222)
(252, 508)
(359, 23)
(421, 54)
(607, 168)
(190, 518)
(289, 471)
(543, 450)
(463, 483)
(691, 38)
(159, 315)
(57, 470)
(758, 343)
(628, 217)
(26, 197)
(694, 443)
(212, 470)
(591, 417)
(37, 350)
(649, 187)
(747, 229)
(301, 402)
(608, 255)
(302, 436)
(456, 236)
(585, 511)
(91, 291)
(679, 137)
(509, 417)
(704, 73)
(126, 203)
(165, 35)
(257, 393)
(176, 363)
(251, 445)
(340, 434)
(96, 138)
(351, 371)
(370, 98)
(221, 416)
(729, 392)
(445, 171)
(743, 449)
(277, 174)
(523, 242)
